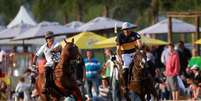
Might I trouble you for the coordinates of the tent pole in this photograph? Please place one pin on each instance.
(169, 29)
(193, 39)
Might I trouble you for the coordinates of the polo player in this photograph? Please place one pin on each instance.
(127, 44)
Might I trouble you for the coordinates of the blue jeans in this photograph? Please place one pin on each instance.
(92, 82)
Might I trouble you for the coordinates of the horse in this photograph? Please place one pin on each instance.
(63, 83)
(140, 80)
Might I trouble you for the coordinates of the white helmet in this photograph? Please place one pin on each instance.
(127, 25)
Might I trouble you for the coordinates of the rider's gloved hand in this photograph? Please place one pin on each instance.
(34, 68)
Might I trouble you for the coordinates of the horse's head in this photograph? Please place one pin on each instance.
(139, 59)
(70, 51)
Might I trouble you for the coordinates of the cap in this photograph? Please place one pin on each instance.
(127, 25)
(49, 34)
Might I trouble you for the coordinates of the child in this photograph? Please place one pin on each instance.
(22, 90)
(104, 91)
(161, 84)
(196, 86)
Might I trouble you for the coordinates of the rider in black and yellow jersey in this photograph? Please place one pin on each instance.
(127, 44)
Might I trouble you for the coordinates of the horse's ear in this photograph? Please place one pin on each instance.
(65, 41)
(72, 40)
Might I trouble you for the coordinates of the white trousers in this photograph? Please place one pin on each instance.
(127, 59)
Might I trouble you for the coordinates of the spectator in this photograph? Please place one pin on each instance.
(3, 91)
(172, 71)
(195, 59)
(92, 67)
(184, 56)
(104, 94)
(112, 69)
(164, 55)
(22, 90)
(157, 51)
(161, 85)
(2, 55)
(150, 61)
(196, 90)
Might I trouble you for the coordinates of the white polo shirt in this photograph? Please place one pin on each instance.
(47, 52)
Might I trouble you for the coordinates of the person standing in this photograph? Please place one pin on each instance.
(2, 57)
(184, 56)
(164, 55)
(22, 90)
(112, 68)
(92, 68)
(127, 44)
(172, 69)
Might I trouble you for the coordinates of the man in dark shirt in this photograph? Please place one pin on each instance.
(127, 43)
(184, 56)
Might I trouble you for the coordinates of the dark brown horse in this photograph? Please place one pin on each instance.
(141, 82)
(64, 83)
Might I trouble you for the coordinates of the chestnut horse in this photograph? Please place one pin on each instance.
(140, 80)
(64, 81)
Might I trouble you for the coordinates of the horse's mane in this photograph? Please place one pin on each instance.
(138, 65)
(64, 69)
(138, 58)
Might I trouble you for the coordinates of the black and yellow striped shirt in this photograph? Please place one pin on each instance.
(127, 44)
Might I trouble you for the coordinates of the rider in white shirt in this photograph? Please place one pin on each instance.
(47, 50)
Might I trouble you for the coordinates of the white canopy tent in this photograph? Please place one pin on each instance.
(178, 26)
(10, 33)
(74, 24)
(39, 41)
(39, 30)
(22, 17)
(101, 23)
